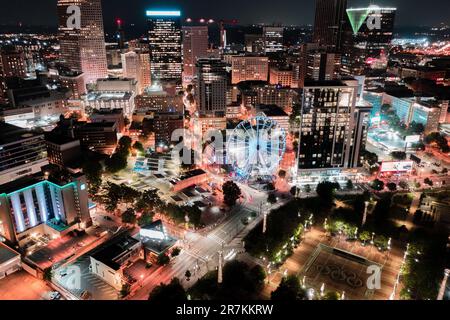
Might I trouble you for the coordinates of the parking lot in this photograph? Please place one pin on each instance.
(23, 286)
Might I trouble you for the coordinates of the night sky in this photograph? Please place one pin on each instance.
(298, 12)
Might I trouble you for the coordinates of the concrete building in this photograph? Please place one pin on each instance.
(273, 39)
(34, 205)
(117, 84)
(329, 23)
(282, 77)
(83, 46)
(109, 115)
(195, 46)
(197, 176)
(212, 85)
(12, 63)
(164, 36)
(276, 114)
(10, 261)
(62, 151)
(75, 82)
(137, 66)
(22, 152)
(249, 68)
(112, 100)
(326, 128)
(110, 260)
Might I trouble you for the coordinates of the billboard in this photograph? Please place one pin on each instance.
(396, 166)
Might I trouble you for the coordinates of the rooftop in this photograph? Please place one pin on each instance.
(10, 133)
(6, 253)
(112, 251)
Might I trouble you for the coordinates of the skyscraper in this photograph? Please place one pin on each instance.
(329, 22)
(81, 37)
(365, 42)
(136, 65)
(249, 68)
(326, 126)
(195, 46)
(212, 85)
(164, 37)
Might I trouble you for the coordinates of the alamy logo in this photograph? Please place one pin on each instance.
(74, 20)
(374, 280)
(371, 16)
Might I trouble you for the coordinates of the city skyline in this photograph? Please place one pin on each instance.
(289, 12)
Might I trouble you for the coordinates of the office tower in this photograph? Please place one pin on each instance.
(164, 38)
(12, 63)
(273, 39)
(195, 46)
(22, 152)
(326, 125)
(322, 65)
(281, 76)
(130, 65)
(144, 75)
(35, 205)
(329, 22)
(74, 81)
(212, 85)
(249, 68)
(83, 46)
(365, 43)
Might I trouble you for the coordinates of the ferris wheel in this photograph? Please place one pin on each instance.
(255, 148)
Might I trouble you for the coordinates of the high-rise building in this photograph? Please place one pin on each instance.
(326, 126)
(22, 152)
(329, 22)
(364, 40)
(249, 68)
(273, 38)
(322, 65)
(83, 42)
(36, 206)
(195, 46)
(12, 63)
(212, 85)
(164, 38)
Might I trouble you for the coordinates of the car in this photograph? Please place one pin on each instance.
(55, 295)
(107, 218)
(63, 273)
(96, 226)
(81, 244)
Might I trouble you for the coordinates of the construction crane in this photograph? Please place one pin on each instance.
(220, 23)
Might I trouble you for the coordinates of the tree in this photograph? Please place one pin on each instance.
(116, 163)
(125, 291)
(398, 155)
(93, 171)
(365, 236)
(403, 184)
(163, 259)
(391, 186)
(271, 198)
(349, 184)
(138, 147)
(48, 274)
(288, 290)
(124, 145)
(188, 275)
(258, 275)
(307, 188)
(377, 185)
(129, 216)
(175, 252)
(173, 291)
(231, 192)
(326, 191)
(439, 140)
(428, 181)
(332, 295)
(146, 218)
